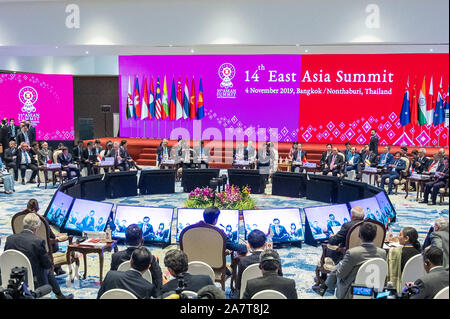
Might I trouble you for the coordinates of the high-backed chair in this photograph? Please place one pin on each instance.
(13, 258)
(201, 268)
(403, 175)
(118, 294)
(57, 258)
(353, 239)
(442, 294)
(269, 294)
(413, 269)
(203, 242)
(372, 273)
(250, 272)
(126, 266)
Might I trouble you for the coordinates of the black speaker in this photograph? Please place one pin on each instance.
(349, 191)
(121, 184)
(247, 177)
(93, 187)
(193, 178)
(289, 184)
(158, 181)
(322, 188)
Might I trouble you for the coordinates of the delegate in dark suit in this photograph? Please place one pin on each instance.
(270, 280)
(122, 164)
(421, 164)
(373, 144)
(353, 161)
(130, 280)
(333, 167)
(393, 173)
(193, 283)
(340, 239)
(10, 161)
(23, 162)
(440, 180)
(13, 130)
(163, 151)
(77, 153)
(347, 269)
(298, 156)
(324, 159)
(88, 158)
(385, 159)
(430, 284)
(242, 152)
(24, 137)
(65, 160)
(244, 262)
(4, 137)
(44, 156)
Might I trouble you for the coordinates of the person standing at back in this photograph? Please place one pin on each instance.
(373, 144)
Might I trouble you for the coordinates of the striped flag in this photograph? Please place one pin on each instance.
(422, 105)
(173, 110)
(201, 107)
(439, 112)
(186, 100)
(165, 102)
(179, 99)
(192, 102)
(145, 114)
(137, 100)
(430, 110)
(405, 115)
(158, 100)
(151, 101)
(130, 108)
(446, 107)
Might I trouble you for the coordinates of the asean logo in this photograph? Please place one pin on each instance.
(28, 96)
(226, 73)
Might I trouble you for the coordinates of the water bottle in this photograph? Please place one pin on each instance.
(269, 238)
(76, 279)
(69, 281)
(108, 234)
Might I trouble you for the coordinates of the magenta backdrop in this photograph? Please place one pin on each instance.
(46, 100)
(247, 110)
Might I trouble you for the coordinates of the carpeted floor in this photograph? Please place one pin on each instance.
(298, 263)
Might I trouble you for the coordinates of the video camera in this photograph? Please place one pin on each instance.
(388, 292)
(18, 289)
(207, 292)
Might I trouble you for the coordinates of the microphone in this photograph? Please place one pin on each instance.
(41, 291)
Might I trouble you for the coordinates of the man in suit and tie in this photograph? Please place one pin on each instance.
(436, 277)
(120, 161)
(66, 161)
(186, 156)
(270, 263)
(367, 156)
(240, 153)
(147, 228)
(4, 135)
(98, 146)
(25, 160)
(88, 222)
(89, 158)
(393, 171)
(33, 247)
(421, 161)
(176, 262)
(31, 130)
(352, 160)
(373, 144)
(386, 158)
(132, 280)
(133, 240)
(348, 149)
(344, 275)
(201, 155)
(13, 130)
(130, 161)
(440, 180)
(298, 158)
(77, 152)
(251, 154)
(279, 232)
(25, 136)
(163, 151)
(334, 163)
(45, 155)
(10, 155)
(325, 156)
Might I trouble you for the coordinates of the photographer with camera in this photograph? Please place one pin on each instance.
(176, 262)
(436, 278)
(34, 248)
(17, 287)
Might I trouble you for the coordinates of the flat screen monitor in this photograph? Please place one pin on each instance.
(59, 207)
(371, 209)
(286, 223)
(155, 222)
(88, 215)
(228, 221)
(325, 220)
(386, 206)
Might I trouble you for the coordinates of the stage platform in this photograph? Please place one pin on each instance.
(143, 151)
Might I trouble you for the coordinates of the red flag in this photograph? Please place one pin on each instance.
(414, 106)
(192, 102)
(137, 100)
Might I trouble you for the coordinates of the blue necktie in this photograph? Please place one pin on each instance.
(26, 157)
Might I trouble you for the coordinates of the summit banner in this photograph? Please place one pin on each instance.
(306, 98)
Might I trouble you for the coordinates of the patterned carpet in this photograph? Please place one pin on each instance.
(298, 263)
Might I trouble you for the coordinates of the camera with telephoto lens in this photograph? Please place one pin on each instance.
(18, 289)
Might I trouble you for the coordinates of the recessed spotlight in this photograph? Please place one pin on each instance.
(170, 45)
(431, 50)
(192, 51)
(297, 45)
(56, 47)
(87, 52)
(306, 50)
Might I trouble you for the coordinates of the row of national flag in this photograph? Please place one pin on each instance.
(423, 109)
(148, 105)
